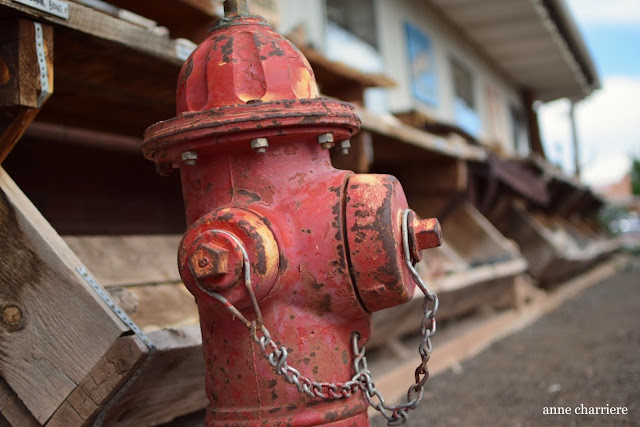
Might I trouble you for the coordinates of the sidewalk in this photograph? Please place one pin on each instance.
(585, 354)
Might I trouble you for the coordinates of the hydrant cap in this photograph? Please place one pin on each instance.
(243, 61)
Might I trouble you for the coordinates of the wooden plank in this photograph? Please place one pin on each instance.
(171, 385)
(12, 409)
(20, 81)
(129, 260)
(405, 319)
(393, 128)
(483, 273)
(97, 24)
(58, 327)
(447, 176)
(96, 389)
(163, 306)
(475, 238)
(480, 334)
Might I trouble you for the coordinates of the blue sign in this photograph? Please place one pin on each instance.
(423, 66)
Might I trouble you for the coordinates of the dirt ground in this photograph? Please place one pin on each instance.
(585, 353)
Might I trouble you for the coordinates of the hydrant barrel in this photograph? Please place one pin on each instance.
(278, 239)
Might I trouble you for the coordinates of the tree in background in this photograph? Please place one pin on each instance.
(635, 175)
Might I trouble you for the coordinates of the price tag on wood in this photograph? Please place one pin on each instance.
(54, 7)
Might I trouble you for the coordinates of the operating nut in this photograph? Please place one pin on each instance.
(326, 140)
(260, 145)
(209, 260)
(423, 234)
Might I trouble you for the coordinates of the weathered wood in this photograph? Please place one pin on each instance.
(533, 124)
(99, 25)
(448, 176)
(391, 127)
(20, 83)
(163, 306)
(12, 409)
(475, 238)
(551, 250)
(172, 384)
(55, 327)
(103, 381)
(482, 273)
(405, 319)
(129, 260)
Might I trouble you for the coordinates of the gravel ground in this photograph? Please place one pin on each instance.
(585, 353)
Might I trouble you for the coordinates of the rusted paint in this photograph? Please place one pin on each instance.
(323, 244)
(373, 215)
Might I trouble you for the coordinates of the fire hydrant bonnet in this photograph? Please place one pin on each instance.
(245, 78)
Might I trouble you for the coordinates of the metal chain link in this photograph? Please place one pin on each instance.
(362, 380)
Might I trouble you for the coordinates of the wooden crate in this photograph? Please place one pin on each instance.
(554, 247)
(64, 353)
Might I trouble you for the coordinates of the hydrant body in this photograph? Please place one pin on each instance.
(323, 245)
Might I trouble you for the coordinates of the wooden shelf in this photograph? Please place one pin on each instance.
(110, 74)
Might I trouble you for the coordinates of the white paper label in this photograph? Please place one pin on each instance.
(54, 7)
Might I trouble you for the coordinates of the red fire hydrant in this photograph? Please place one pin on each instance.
(286, 256)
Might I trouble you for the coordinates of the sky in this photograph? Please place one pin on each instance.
(608, 121)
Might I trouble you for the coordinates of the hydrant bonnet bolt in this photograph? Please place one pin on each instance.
(190, 157)
(344, 146)
(260, 145)
(326, 140)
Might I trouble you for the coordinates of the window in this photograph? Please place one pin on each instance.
(464, 105)
(355, 16)
(352, 36)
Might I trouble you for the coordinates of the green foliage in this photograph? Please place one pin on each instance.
(635, 175)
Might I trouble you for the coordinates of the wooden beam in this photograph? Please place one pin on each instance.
(533, 124)
(129, 260)
(99, 386)
(393, 128)
(54, 327)
(171, 385)
(21, 80)
(93, 23)
(12, 408)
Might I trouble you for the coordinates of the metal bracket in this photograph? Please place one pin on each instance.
(45, 90)
(135, 328)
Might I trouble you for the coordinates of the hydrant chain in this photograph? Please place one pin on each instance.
(362, 380)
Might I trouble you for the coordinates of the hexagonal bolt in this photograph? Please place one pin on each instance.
(423, 234)
(209, 260)
(344, 146)
(260, 145)
(190, 157)
(326, 140)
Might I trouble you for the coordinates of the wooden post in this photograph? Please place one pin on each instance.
(533, 124)
(54, 328)
(22, 77)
